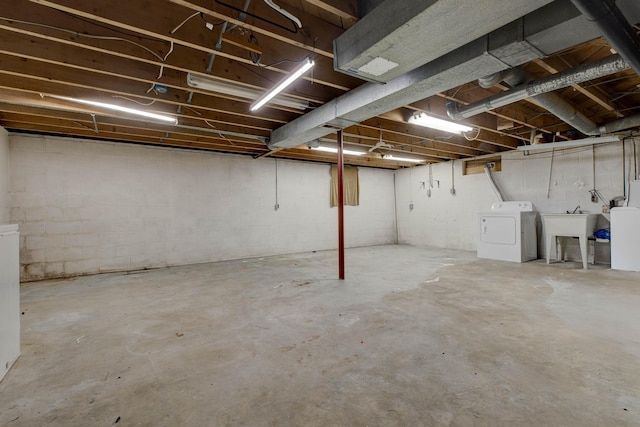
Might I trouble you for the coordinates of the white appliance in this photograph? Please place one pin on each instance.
(625, 232)
(508, 232)
(9, 298)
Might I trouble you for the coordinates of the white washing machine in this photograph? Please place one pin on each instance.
(508, 232)
(625, 232)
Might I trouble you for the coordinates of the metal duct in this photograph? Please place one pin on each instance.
(555, 104)
(621, 124)
(397, 37)
(539, 90)
(491, 80)
(614, 27)
(492, 182)
(557, 26)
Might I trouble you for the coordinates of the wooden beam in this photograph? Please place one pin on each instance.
(56, 81)
(317, 30)
(338, 8)
(157, 23)
(64, 129)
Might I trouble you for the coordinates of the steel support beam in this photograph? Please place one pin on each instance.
(340, 206)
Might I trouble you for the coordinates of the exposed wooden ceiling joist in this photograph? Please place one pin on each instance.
(118, 52)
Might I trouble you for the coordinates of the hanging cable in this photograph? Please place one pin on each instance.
(283, 12)
(90, 36)
(177, 27)
(146, 104)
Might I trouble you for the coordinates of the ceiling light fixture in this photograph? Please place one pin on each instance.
(569, 144)
(114, 107)
(220, 86)
(402, 159)
(293, 76)
(335, 150)
(423, 119)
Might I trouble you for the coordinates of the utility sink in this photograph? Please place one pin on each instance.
(580, 225)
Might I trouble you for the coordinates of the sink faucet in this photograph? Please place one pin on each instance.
(575, 210)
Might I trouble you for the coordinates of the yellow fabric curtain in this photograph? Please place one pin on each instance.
(351, 186)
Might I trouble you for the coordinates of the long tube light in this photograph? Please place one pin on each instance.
(306, 65)
(423, 119)
(335, 150)
(114, 107)
(569, 144)
(216, 85)
(402, 159)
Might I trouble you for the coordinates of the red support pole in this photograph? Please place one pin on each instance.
(340, 208)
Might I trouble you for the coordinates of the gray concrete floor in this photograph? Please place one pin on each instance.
(414, 336)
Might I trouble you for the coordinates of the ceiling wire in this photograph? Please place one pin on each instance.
(219, 133)
(98, 24)
(86, 35)
(146, 104)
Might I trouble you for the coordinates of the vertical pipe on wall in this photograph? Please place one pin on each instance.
(553, 152)
(340, 208)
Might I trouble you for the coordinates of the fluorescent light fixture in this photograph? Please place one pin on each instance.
(220, 86)
(569, 144)
(335, 150)
(423, 119)
(306, 65)
(402, 159)
(114, 107)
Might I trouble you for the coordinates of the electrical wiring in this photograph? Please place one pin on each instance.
(177, 27)
(90, 36)
(193, 110)
(255, 57)
(219, 133)
(473, 138)
(283, 12)
(207, 23)
(165, 60)
(97, 24)
(146, 104)
(210, 23)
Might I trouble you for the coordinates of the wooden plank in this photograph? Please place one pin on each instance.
(344, 9)
(127, 16)
(87, 85)
(118, 136)
(237, 41)
(157, 23)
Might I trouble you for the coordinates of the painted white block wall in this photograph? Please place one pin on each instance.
(4, 176)
(445, 220)
(86, 207)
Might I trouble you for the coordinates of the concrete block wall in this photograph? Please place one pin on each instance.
(445, 220)
(4, 176)
(87, 207)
